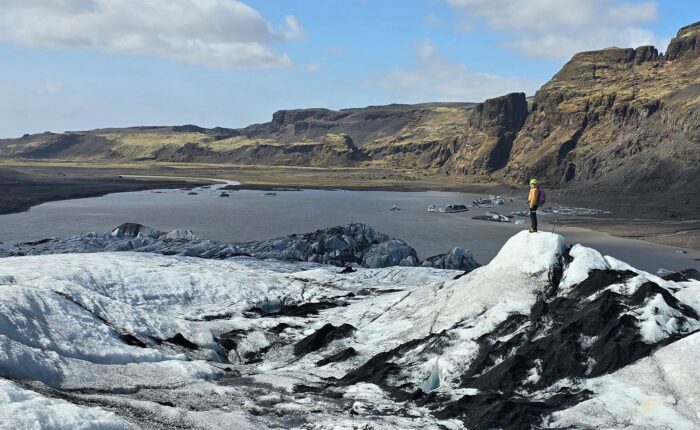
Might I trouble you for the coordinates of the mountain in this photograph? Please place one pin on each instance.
(626, 120)
(544, 336)
(305, 137)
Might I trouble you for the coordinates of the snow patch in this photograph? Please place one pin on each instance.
(24, 409)
(660, 391)
(584, 261)
(529, 253)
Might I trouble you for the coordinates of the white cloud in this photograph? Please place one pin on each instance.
(216, 33)
(560, 28)
(436, 78)
(292, 29)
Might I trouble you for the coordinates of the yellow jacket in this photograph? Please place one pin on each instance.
(534, 197)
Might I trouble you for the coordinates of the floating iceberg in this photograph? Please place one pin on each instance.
(451, 208)
(492, 216)
(490, 202)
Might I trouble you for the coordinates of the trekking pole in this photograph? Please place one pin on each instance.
(554, 225)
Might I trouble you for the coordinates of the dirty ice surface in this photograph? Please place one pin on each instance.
(117, 340)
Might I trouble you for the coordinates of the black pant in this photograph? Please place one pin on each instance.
(533, 217)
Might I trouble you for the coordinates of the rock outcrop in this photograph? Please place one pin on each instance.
(486, 145)
(686, 44)
(621, 119)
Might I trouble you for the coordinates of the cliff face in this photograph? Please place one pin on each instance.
(486, 145)
(365, 126)
(627, 119)
(329, 150)
(459, 137)
(686, 44)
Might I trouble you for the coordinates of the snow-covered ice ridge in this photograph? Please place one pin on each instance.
(544, 336)
(349, 245)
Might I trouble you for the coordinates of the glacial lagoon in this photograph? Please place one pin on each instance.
(252, 215)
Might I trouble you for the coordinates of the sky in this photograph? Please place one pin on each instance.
(85, 64)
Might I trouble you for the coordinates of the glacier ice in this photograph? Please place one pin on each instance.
(22, 408)
(561, 337)
(433, 381)
(352, 244)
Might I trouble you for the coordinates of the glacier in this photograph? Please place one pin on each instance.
(546, 335)
(354, 244)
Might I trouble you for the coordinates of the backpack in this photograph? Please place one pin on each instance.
(541, 198)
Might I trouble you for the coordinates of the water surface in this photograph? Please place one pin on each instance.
(250, 215)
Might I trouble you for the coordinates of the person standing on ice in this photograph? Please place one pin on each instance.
(535, 198)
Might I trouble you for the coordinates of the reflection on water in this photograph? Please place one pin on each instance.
(251, 215)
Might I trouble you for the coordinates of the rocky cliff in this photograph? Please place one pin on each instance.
(492, 129)
(622, 118)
